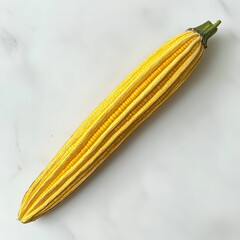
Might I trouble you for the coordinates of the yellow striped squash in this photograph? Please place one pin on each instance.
(137, 97)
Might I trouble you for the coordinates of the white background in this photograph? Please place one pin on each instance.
(177, 177)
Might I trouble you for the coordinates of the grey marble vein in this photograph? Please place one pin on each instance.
(66, 231)
(8, 41)
(225, 7)
(18, 147)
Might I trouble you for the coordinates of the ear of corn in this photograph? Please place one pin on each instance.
(137, 97)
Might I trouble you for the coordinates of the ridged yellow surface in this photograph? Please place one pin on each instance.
(137, 97)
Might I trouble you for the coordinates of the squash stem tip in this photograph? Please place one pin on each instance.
(207, 30)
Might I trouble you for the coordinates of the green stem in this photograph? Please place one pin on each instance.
(207, 30)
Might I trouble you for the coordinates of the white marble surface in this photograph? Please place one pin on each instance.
(177, 177)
